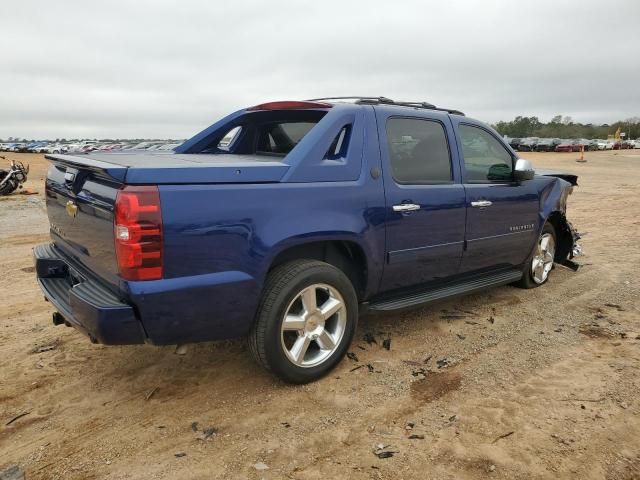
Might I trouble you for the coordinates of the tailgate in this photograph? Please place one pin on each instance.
(80, 197)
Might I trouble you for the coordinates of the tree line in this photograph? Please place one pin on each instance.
(564, 127)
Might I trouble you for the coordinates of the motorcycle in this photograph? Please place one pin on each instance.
(13, 178)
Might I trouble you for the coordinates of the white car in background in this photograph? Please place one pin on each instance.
(144, 145)
(55, 148)
(605, 145)
(82, 146)
(168, 147)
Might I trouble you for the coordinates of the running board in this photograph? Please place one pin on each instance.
(462, 288)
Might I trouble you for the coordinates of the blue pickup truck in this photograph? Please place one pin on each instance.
(284, 221)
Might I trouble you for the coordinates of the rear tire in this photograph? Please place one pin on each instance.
(538, 266)
(305, 322)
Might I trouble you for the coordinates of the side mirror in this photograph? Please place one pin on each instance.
(524, 170)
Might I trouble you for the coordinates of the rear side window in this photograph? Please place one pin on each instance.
(280, 138)
(486, 160)
(418, 151)
(338, 147)
(229, 138)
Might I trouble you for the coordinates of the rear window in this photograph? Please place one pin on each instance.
(280, 138)
(268, 133)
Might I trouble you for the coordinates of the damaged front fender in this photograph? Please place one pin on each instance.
(553, 209)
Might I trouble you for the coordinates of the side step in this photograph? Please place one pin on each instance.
(462, 288)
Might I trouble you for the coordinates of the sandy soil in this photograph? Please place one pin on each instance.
(509, 384)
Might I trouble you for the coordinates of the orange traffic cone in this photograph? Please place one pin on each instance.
(581, 159)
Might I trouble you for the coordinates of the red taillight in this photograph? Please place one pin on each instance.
(289, 105)
(137, 228)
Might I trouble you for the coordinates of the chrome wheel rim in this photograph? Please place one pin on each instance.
(313, 325)
(542, 262)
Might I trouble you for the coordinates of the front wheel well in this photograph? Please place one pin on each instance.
(564, 237)
(344, 255)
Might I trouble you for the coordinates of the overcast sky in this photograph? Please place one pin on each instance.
(159, 68)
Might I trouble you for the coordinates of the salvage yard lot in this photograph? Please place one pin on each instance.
(508, 384)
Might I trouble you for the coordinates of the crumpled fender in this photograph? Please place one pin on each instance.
(553, 198)
(553, 208)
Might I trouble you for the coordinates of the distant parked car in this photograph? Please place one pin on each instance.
(15, 147)
(583, 142)
(84, 146)
(567, 146)
(514, 143)
(34, 147)
(623, 144)
(56, 148)
(168, 147)
(143, 145)
(115, 146)
(153, 147)
(43, 148)
(547, 144)
(528, 144)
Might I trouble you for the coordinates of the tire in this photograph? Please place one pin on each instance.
(531, 278)
(308, 345)
(9, 186)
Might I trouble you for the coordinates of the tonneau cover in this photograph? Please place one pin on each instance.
(169, 168)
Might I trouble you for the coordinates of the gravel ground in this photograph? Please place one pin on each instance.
(508, 384)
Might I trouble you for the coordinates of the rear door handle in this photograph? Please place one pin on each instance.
(406, 207)
(481, 203)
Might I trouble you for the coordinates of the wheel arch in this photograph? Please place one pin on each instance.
(564, 235)
(345, 254)
(553, 210)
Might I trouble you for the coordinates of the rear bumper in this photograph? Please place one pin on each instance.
(84, 302)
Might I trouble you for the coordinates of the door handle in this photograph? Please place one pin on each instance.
(481, 203)
(406, 207)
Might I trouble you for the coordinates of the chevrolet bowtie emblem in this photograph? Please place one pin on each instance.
(71, 208)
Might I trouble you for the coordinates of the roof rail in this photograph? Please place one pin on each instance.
(387, 101)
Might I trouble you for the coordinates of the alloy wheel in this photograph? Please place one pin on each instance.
(542, 262)
(313, 325)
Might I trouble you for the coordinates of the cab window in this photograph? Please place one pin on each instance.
(418, 151)
(486, 160)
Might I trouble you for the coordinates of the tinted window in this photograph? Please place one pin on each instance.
(280, 138)
(485, 159)
(418, 151)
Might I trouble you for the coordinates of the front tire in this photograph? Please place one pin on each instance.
(540, 263)
(305, 322)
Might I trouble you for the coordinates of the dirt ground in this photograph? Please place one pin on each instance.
(508, 384)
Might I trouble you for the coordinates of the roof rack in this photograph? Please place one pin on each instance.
(387, 101)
